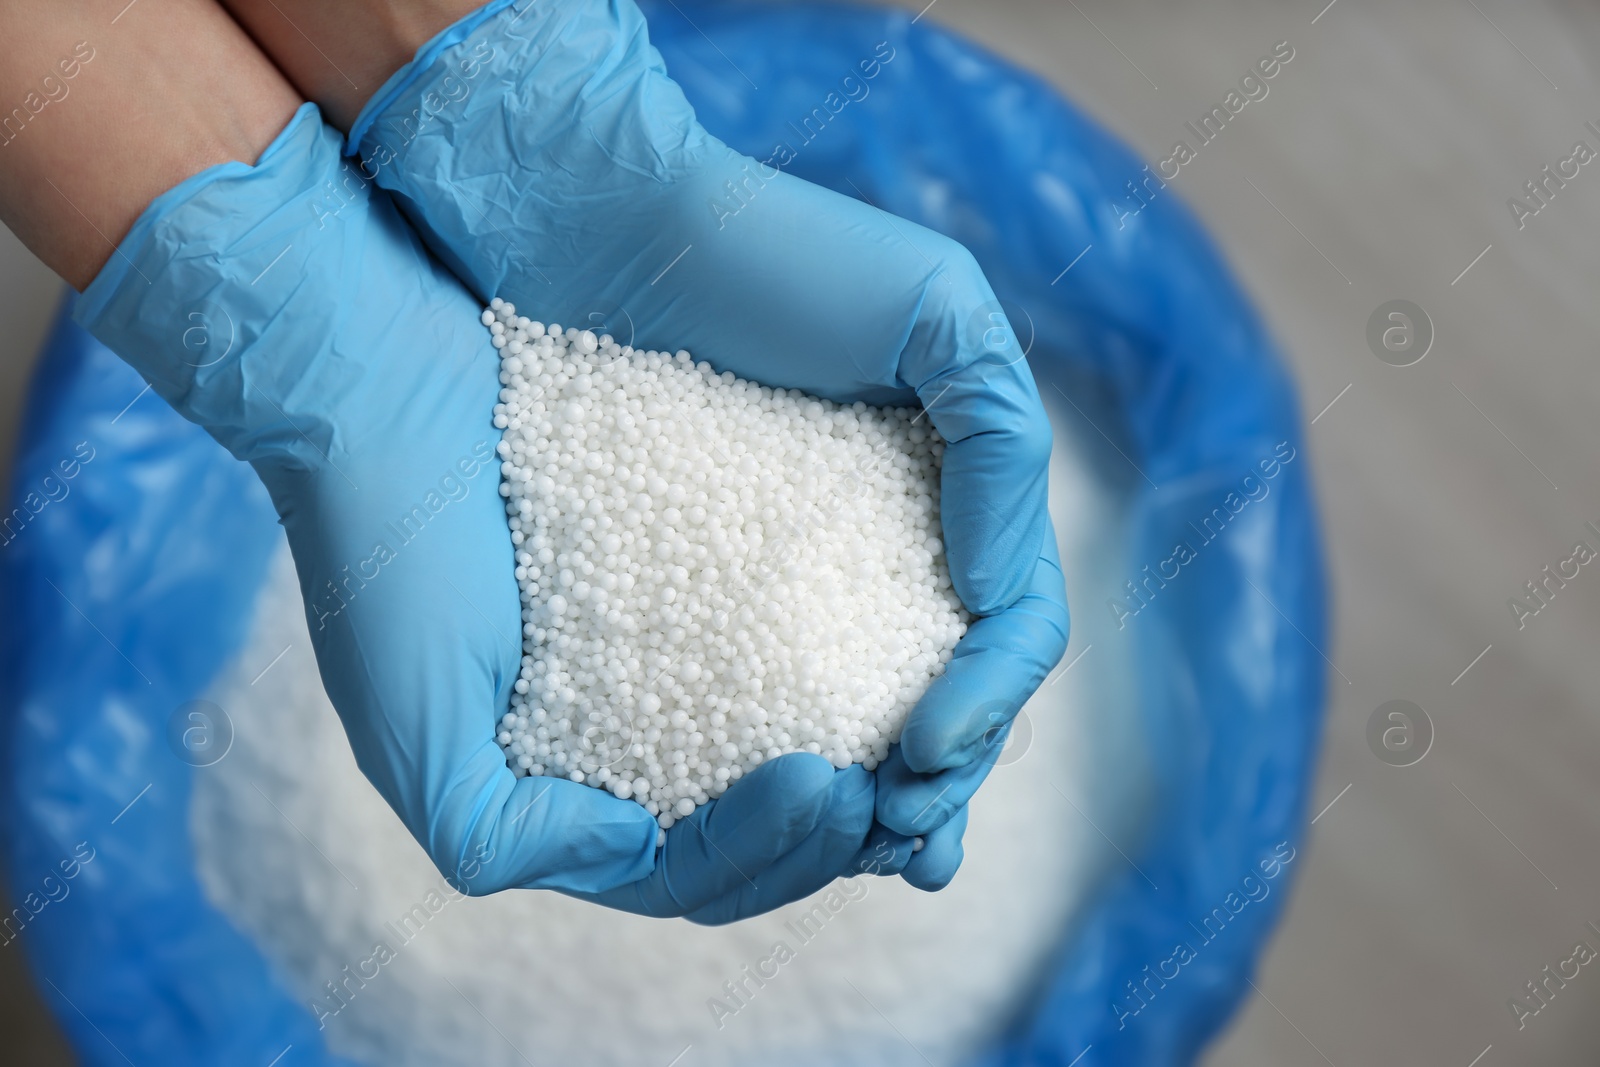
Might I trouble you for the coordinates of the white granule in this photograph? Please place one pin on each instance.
(714, 573)
(301, 853)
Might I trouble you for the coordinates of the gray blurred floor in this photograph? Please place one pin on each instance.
(1381, 161)
(28, 296)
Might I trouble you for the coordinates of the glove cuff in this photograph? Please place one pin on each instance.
(198, 296)
(401, 82)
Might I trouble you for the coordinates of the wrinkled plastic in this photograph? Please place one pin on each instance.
(125, 596)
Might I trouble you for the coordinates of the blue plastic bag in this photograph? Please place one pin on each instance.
(130, 583)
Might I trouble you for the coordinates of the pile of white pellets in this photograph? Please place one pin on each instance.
(714, 573)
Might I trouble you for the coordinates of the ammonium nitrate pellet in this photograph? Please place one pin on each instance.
(714, 573)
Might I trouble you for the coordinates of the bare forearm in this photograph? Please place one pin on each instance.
(338, 52)
(105, 105)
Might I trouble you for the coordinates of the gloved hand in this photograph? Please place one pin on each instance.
(546, 156)
(290, 310)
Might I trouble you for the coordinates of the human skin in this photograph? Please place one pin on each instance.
(169, 89)
(339, 52)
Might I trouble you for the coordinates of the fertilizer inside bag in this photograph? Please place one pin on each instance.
(136, 594)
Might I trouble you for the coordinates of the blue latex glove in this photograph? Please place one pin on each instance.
(290, 310)
(547, 157)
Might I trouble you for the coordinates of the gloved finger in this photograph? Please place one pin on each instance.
(935, 864)
(918, 804)
(886, 853)
(815, 862)
(731, 841)
(532, 833)
(996, 667)
(969, 371)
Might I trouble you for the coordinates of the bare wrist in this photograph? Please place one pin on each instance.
(339, 53)
(91, 136)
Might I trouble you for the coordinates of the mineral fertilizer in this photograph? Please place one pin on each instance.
(713, 572)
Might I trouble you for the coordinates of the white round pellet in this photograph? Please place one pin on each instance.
(713, 573)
